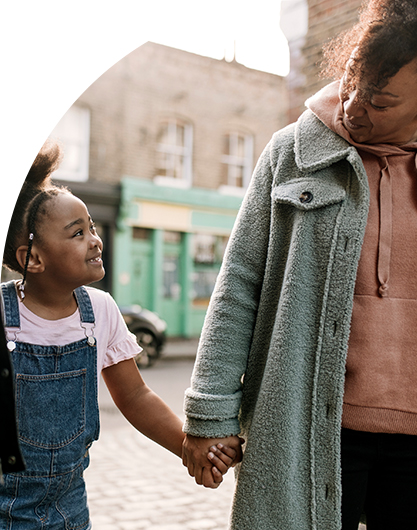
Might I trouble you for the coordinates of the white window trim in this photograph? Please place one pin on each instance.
(246, 162)
(186, 151)
(84, 144)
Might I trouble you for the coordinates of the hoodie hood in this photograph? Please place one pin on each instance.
(327, 107)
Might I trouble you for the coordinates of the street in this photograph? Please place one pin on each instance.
(134, 484)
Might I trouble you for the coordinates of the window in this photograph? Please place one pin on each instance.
(143, 234)
(208, 251)
(73, 130)
(171, 267)
(208, 248)
(171, 277)
(174, 153)
(237, 159)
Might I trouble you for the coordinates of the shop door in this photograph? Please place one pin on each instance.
(172, 310)
(142, 268)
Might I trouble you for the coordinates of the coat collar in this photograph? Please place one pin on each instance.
(317, 147)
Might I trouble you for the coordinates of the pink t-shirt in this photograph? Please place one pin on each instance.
(115, 343)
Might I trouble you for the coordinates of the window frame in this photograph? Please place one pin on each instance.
(175, 150)
(82, 144)
(233, 159)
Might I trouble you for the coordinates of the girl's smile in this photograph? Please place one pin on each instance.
(96, 260)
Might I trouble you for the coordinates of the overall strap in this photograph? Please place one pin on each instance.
(84, 305)
(10, 305)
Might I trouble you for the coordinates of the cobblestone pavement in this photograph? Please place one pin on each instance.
(134, 484)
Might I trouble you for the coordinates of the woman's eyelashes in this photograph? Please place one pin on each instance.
(378, 107)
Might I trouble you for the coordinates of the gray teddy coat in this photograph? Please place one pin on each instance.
(271, 359)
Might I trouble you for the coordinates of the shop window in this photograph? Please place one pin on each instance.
(172, 237)
(174, 153)
(171, 277)
(208, 251)
(143, 234)
(203, 285)
(237, 160)
(73, 130)
(208, 248)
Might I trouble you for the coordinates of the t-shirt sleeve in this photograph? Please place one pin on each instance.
(122, 344)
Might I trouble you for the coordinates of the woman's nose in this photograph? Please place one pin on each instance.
(352, 106)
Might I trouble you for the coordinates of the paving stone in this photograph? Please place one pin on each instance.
(167, 527)
(135, 525)
(201, 524)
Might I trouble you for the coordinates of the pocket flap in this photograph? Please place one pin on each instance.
(308, 193)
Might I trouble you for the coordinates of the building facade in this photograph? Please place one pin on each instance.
(161, 148)
(308, 24)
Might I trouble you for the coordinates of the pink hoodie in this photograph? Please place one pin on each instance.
(381, 369)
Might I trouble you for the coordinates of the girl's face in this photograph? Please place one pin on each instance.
(389, 115)
(69, 245)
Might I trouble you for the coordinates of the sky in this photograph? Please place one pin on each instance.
(52, 50)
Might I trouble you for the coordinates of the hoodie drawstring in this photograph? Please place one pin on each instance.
(385, 228)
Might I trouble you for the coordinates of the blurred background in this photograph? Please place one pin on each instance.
(161, 147)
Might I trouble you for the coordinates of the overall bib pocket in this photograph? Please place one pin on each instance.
(51, 408)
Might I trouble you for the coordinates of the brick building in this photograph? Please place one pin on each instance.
(161, 148)
(308, 24)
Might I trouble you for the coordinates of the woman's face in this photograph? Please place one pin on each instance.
(389, 115)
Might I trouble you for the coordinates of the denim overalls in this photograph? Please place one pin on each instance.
(58, 420)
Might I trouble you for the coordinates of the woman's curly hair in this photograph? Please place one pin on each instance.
(37, 189)
(377, 47)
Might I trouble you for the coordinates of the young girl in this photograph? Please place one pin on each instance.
(61, 336)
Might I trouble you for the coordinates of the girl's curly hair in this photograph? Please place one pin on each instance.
(37, 189)
(377, 47)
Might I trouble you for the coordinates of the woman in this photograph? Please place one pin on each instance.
(309, 347)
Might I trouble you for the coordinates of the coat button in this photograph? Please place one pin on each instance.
(5, 373)
(306, 196)
(11, 460)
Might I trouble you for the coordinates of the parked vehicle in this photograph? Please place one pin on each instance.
(149, 330)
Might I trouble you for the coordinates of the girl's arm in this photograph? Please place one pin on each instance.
(144, 409)
(150, 415)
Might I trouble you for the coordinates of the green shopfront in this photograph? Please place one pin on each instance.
(168, 249)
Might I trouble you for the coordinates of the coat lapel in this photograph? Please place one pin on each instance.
(327, 148)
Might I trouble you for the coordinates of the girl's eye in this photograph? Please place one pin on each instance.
(79, 233)
(93, 228)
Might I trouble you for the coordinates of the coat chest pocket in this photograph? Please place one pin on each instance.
(308, 193)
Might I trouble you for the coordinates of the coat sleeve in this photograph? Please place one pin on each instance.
(212, 402)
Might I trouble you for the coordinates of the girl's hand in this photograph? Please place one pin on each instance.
(223, 457)
(195, 459)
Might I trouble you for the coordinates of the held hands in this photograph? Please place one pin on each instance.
(208, 459)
